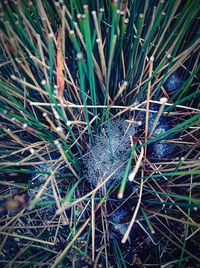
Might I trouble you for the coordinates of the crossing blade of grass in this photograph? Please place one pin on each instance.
(126, 174)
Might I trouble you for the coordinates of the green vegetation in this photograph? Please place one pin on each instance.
(69, 70)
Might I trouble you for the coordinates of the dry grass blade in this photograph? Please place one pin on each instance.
(60, 65)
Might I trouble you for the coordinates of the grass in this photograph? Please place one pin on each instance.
(68, 70)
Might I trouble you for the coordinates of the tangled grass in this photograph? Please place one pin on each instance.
(99, 133)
